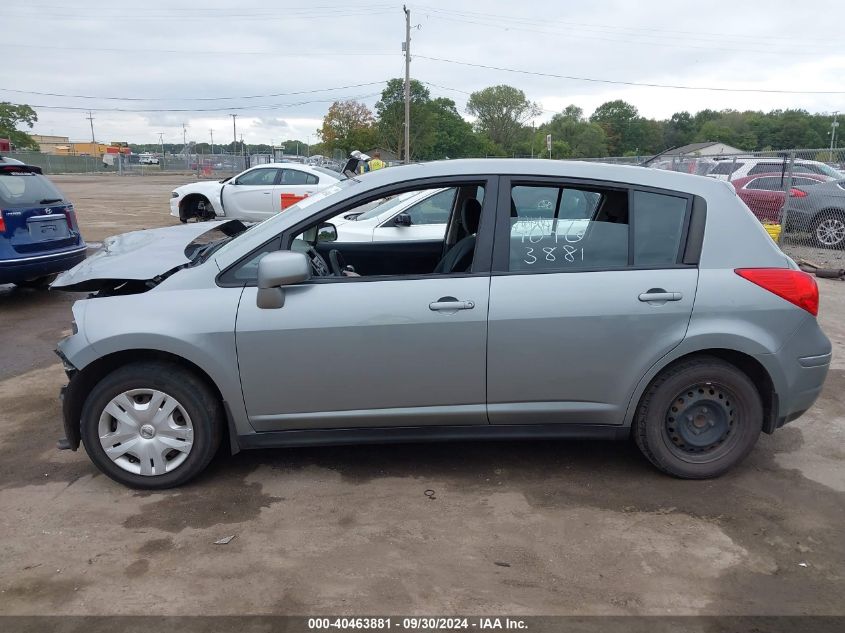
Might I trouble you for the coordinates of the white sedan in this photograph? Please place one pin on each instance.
(253, 195)
(415, 216)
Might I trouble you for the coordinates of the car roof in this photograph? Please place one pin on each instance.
(623, 174)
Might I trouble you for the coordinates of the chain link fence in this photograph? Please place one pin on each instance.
(798, 195)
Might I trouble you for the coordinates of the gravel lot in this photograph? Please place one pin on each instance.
(513, 528)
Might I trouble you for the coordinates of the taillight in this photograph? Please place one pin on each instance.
(797, 193)
(2, 223)
(69, 217)
(795, 286)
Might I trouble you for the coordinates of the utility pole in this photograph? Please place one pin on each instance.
(161, 142)
(90, 118)
(212, 141)
(407, 84)
(833, 127)
(184, 138)
(234, 133)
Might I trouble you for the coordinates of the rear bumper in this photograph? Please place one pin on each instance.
(35, 266)
(799, 370)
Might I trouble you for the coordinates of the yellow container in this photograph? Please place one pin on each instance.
(773, 230)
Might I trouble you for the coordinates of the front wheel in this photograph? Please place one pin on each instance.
(151, 425)
(699, 418)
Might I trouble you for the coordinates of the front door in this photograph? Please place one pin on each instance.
(250, 195)
(580, 308)
(342, 354)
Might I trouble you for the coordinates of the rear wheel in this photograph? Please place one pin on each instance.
(151, 425)
(829, 229)
(699, 418)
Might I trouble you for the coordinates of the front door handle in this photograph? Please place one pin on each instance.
(450, 304)
(660, 295)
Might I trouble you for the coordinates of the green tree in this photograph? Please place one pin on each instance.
(679, 130)
(390, 111)
(616, 119)
(348, 125)
(501, 112)
(583, 139)
(11, 116)
(453, 136)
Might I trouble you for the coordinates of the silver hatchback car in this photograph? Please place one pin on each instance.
(566, 300)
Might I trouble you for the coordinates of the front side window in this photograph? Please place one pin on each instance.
(258, 177)
(561, 228)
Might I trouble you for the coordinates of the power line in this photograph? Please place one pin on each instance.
(277, 94)
(608, 28)
(269, 17)
(632, 83)
(156, 51)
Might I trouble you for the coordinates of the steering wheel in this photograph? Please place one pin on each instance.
(319, 267)
(338, 262)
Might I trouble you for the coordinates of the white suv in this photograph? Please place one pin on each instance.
(734, 168)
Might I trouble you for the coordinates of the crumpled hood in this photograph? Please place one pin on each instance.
(139, 255)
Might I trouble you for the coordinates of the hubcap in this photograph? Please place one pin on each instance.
(831, 231)
(146, 432)
(701, 420)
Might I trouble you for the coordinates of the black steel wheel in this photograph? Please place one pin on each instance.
(698, 418)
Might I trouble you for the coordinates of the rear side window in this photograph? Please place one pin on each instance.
(658, 227)
(258, 177)
(25, 188)
(769, 183)
(294, 177)
(563, 228)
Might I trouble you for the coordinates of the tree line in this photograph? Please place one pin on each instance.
(503, 126)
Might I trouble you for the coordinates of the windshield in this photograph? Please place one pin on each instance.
(24, 188)
(385, 206)
(827, 170)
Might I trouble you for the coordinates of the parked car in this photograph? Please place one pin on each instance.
(821, 212)
(415, 216)
(730, 168)
(765, 193)
(39, 235)
(253, 195)
(512, 326)
(148, 159)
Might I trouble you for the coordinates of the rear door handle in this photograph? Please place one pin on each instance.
(658, 294)
(450, 304)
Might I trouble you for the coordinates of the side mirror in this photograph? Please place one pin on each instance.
(327, 232)
(277, 269)
(403, 219)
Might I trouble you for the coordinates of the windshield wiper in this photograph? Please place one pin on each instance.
(49, 200)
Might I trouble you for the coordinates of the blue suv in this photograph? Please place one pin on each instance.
(39, 235)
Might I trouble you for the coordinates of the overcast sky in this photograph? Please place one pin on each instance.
(169, 55)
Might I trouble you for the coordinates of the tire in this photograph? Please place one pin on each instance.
(701, 435)
(198, 208)
(829, 229)
(39, 283)
(197, 419)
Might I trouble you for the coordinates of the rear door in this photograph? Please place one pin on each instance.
(250, 195)
(764, 196)
(589, 290)
(292, 185)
